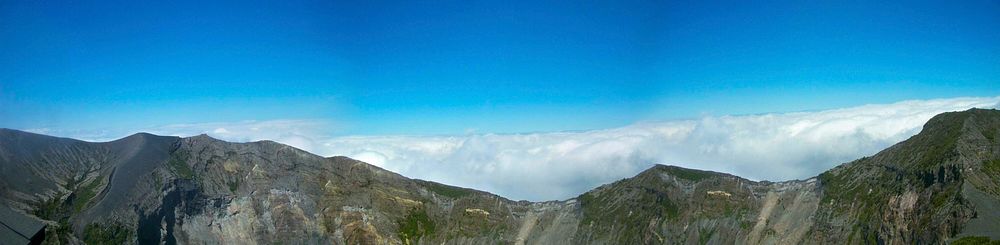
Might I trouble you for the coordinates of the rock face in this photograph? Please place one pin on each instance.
(936, 187)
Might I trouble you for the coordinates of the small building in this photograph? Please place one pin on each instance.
(17, 228)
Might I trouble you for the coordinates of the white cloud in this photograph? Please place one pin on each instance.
(560, 165)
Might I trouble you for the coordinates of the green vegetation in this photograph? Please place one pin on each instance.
(862, 189)
(474, 226)
(58, 234)
(936, 143)
(156, 181)
(591, 208)
(447, 190)
(179, 166)
(416, 225)
(105, 234)
(845, 193)
(54, 209)
(233, 185)
(992, 167)
(745, 225)
(688, 174)
(942, 197)
(975, 240)
(668, 208)
(49, 209)
(863, 186)
(84, 195)
(705, 235)
(60, 209)
(834, 187)
(990, 133)
(625, 211)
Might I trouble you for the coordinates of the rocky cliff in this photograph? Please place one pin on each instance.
(939, 186)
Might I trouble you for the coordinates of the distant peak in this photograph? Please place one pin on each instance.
(950, 123)
(16, 131)
(957, 116)
(21, 133)
(204, 137)
(143, 136)
(941, 137)
(681, 172)
(12, 131)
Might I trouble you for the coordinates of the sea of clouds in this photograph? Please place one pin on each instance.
(561, 165)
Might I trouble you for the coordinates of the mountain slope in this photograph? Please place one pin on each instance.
(937, 186)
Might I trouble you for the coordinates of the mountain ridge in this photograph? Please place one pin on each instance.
(140, 135)
(151, 189)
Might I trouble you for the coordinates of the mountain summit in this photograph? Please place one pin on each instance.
(939, 186)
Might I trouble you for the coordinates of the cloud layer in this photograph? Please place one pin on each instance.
(560, 165)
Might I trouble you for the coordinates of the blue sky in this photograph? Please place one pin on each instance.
(507, 96)
(453, 67)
